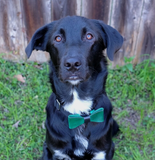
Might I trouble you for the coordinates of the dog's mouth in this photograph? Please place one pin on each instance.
(74, 79)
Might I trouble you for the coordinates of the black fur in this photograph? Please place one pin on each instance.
(77, 58)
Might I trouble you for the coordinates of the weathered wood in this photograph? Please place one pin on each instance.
(125, 17)
(35, 14)
(146, 35)
(96, 9)
(133, 19)
(11, 30)
(62, 8)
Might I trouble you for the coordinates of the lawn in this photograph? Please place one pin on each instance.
(22, 109)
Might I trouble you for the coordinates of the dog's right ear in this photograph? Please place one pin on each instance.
(112, 39)
(39, 39)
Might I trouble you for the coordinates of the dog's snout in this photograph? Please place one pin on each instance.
(72, 64)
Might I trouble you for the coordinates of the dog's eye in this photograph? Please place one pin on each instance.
(89, 36)
(58, 38)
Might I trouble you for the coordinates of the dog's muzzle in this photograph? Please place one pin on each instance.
(73, 70)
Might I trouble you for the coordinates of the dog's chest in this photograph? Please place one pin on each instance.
(81, 141)
(77, 105)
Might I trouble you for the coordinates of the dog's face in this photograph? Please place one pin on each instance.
(75, 45)
(72, 44)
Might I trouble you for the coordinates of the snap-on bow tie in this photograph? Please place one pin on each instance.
(77, 120)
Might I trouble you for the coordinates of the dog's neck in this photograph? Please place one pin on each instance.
(78, 105)
(78, 99)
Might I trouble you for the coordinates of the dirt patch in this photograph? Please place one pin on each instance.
(128, 116)
(133, 118)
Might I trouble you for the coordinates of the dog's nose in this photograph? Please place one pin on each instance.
(72, 64)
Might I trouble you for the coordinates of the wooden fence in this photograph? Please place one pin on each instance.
(134, 19)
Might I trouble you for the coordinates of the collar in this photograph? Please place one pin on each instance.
(58, 104)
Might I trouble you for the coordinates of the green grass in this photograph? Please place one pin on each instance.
(24, 103)
(22, 109)
(132, 92)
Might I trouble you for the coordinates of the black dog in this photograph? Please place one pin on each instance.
(78, 76)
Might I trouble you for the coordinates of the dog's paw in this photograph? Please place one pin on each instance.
(58, 155)
(99, 155)
(60, 158)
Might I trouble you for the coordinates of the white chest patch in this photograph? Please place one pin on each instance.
(81, 139)
(78, 106)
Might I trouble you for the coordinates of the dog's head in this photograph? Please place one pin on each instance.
(75, 45)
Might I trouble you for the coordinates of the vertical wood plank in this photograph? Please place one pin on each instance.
(125, 18)
(146, 35)
(62, 8)
(35, 14)
(79, 7)
(11, 31)
(96, 9)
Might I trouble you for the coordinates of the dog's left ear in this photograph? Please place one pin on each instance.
(112, 39)
(39, 39)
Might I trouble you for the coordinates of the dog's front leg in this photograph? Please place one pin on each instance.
(56, 155)
(46, 153)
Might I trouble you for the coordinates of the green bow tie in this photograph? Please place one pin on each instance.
(77, 120)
